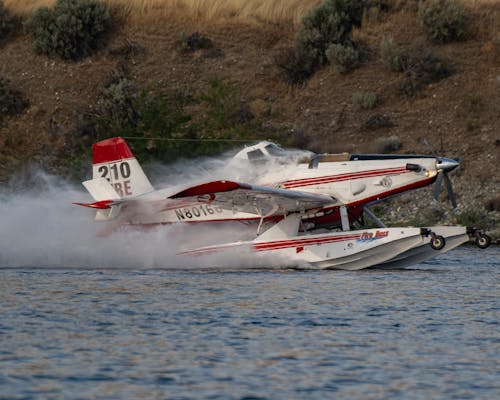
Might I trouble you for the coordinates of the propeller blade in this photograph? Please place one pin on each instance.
(437, 187)
(451, 194)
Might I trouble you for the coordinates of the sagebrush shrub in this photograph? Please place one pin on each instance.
(72, 30)
(344, 58)
(117, 102)
(443, 20)
(328, 24)
(298, 63)
(152, 115)
(366, 100)
(165, 123)
(418, 65)
(422, 71)
(390, 54)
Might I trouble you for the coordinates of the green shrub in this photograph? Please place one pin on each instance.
(422, 71)
(443, 20)
(365, 100)
(162, 121)
(155, 117)
(344, 58)
(6, 21)
(298, 63)
(224, 112)
(391, 56)
(72, 30)
(327, 24)
(12, 101)
(117, 102)
(419, 66)
(330, 23)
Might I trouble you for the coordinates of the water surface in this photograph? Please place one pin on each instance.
(427, 332)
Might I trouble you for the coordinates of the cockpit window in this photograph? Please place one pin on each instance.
(275, 150)
(256, 155)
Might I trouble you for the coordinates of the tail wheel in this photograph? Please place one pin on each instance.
(483, 241)
(437, 242)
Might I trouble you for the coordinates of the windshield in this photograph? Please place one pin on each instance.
(275, 150)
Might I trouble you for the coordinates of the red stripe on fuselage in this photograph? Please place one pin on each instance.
(278, 245)
(302, 242)
(341, 177)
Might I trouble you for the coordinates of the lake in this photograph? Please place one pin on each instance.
(431, 331)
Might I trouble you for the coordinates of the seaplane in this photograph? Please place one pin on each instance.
(300, 207)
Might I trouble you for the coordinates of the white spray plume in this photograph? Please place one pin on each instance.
(40, 227)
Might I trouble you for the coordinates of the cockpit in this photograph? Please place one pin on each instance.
(263, 152)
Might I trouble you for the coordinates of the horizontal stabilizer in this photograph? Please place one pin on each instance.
(100, 189)
(100, 205)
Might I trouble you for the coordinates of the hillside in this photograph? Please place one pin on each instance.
(457, 116)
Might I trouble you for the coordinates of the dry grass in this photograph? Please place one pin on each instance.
(150, 13)
(273, 11)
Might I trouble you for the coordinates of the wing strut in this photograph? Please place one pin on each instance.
(344, 218)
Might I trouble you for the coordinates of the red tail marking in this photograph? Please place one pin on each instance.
(101, 205)
(108, 150)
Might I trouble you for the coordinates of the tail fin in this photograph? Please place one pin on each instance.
(113, 160)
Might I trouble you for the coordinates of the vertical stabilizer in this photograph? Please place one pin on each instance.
(113, 160)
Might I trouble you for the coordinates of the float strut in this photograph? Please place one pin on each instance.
(374, 218)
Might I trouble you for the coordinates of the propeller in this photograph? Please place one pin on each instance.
(443, 166)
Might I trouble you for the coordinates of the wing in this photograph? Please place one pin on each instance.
(261, 200)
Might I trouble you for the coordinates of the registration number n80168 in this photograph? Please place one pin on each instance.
(202, 210)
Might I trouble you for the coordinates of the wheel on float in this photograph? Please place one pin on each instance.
(483, 241)
(437, 242)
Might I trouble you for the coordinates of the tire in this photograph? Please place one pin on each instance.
(483, 241)
(438, 242)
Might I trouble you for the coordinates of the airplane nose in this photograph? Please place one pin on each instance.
(446, 164)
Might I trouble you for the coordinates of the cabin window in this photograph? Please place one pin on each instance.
(275, 150)
(256, 156)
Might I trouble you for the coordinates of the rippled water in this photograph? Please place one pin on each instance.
(429, 332)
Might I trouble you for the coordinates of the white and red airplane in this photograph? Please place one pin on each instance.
(328, 190)
(301, 206)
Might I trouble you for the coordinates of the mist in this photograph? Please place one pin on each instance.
(41, 227)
